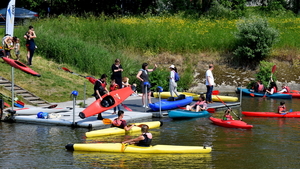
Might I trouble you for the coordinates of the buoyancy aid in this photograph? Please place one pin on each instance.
(114, 87)
(260, 87)
(118, 123)
(281, 108)
(146, 142)
(287, 89)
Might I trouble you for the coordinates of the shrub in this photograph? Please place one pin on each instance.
(254, 40)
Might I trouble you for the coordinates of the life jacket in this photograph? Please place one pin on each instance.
(281, 108)
(228, 117)
(275, 90)
(200, 103)
(114, 87)
(146, 142)
(260, 87)
(287, 89)
(119, 123)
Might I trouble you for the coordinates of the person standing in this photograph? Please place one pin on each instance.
(17, 48)
(143, 76)
(114, 86)
(100, 90)
(30, 44)
(173, 83)
(117, 70)
(210, 82)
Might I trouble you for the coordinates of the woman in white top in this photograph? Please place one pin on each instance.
(173, 84)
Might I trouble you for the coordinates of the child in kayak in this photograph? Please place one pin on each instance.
(120, 122)
(272, 89)
(227, 115)
(285, 89)
(282, 108)
(200, 105)
(143, 140)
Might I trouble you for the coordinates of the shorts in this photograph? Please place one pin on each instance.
(143, 88)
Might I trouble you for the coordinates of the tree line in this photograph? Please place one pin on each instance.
(139, 7)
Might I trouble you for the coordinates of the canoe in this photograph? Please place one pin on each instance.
(114, 98)
(275, 95)
(181, 114)
(125, 148)
(116, 130)
(294, 95)
(271, 114)
(230, 123)
(19, 65)
(167, 105)
(165, 95)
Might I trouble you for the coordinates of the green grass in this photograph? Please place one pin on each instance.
(89, 46)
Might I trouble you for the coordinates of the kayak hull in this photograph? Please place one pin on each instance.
(230, 123)
(167, 105)
(181, 114)
(165, 95)
(271, 114)
(19, 65)
(125, 148)
(116, 130)
(255, 94)
(114, 98)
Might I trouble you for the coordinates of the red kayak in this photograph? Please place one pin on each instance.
(230, 123)
(294, 95)
(114, 98)
(271, 114)
(21, 66)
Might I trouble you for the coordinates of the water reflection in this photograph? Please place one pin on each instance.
(127, 160)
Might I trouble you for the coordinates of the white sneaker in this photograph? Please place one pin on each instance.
(145, 106)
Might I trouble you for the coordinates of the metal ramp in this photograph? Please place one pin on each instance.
(26, 95)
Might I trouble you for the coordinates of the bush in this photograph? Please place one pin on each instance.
(265, 72)
(255, 39)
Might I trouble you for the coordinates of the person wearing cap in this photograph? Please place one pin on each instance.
(210, 82)
(173, 83)
(143, 76)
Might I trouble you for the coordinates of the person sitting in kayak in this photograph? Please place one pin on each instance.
(282, 108)
(100, 90)
(200, 105)
(272, 89)
(120, 122)
(258, 86)
(227, 115)
(285, 89)
(144, 140)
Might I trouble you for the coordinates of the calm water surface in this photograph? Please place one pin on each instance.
(272, 143)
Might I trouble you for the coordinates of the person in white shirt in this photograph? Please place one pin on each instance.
(173, 83)
(210, 82)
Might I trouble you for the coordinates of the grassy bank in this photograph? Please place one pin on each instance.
(90, 45)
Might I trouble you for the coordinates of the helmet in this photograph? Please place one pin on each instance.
(39, 115)
(75, 93)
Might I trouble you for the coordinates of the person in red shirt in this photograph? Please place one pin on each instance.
(114, 86)
(227, 115)
(200, 105)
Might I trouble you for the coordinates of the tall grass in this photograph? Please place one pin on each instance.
(91, 44)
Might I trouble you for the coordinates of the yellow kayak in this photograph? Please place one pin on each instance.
(126, 148)
(116, 130)
(165, 95)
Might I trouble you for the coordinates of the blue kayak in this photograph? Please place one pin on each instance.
(181, 114)
(256, 94)
(171, 103)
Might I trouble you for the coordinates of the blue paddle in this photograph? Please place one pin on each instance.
(291, 110)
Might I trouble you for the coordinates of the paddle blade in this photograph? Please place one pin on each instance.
(106, 121)
(183, 108)
(91, 79)
(251, 94)
(211, 110)
(295, 91)
(215, 92)
(125, 107)
(66, 69)
(273, 68)
(291, 110)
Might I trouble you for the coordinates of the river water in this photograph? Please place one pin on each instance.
(271, 143)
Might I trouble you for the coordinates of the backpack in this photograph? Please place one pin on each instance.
(177, 77)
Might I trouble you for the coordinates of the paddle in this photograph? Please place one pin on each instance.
(210, 110)
(215, 92)
(295, 91)
(108, 121)
(67, 70)
(126, 107)
(229, 108)
(273, 70)
(291, 110)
